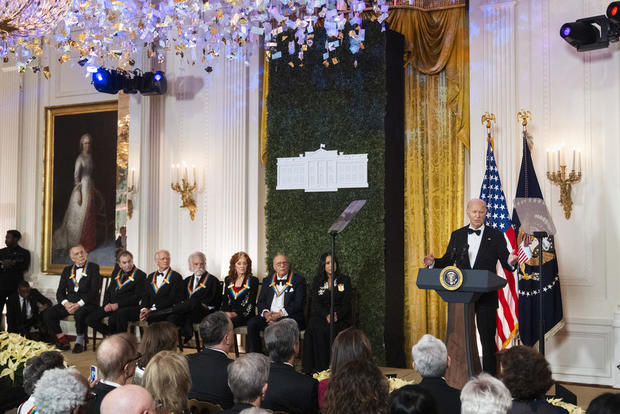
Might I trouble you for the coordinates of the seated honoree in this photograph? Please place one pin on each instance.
(23, 307)
(125, 291)
(240, 290)
(77, 295)
(201, 296)
(316, 341)
(283, 296)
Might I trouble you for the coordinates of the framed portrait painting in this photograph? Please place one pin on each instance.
(85, 170)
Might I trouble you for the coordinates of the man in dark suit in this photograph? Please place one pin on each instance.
(208, 367)
(125, 291)
(283, 295)
(287, 389)
(431, 360)
(247, 377)
(23, 308)
(116, 363)
(200, 296)
(77, 295)
(14, 261)
(477, 246)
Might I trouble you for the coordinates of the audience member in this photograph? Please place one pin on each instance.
(33, 369)
(158, 336)
(413, 399)
(128, 399)
(485, 394)
(116, 362)
(358, 387)
(431, 360)
(14, 261)
(210, 366)
(288, 390)
(167, 379)
(239, 300)
(61, 391)
(256, 410)
(247, 377)
(317, 340)
(124, 293)
(77, 295)
(527, 375)
(283, 295)
(23, 310)
(201, 295)
(607, 403)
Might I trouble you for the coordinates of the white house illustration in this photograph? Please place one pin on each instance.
(323, 170)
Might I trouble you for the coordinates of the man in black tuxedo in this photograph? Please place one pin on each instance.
(125, 291)
(247, 377)
(208, 367)
(77, 295)
(431, 360)
(23, 308)
(14, 261)
(116, 363)
(283, 295)
(287, 389)
(477, 246)
(201, 295)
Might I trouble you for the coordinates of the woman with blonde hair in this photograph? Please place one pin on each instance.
(158, 336)
(168, 380)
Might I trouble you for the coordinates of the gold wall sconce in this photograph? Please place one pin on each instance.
(184, 183)
(131, 190)
(557, 174)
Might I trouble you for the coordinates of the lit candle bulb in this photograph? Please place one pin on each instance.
(193, 174)
(133, 177)
(573, 165)
(548, 159)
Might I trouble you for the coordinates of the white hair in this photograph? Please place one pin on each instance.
(59, 391)
(199, 254)
(430, 356)
(255, 410)
(485, 394)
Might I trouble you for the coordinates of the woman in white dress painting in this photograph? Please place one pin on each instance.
(79, 223)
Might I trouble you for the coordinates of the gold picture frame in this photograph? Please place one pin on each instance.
(80, 187)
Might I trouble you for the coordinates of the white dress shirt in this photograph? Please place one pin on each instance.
(277, 303)
(76, 286)
(474, 240)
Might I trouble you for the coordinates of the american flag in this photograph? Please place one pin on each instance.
(492, 193)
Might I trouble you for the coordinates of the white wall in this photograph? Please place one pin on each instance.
(518, 60)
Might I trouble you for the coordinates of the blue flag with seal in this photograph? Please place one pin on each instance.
(529, 251)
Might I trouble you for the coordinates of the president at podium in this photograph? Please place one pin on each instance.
(479, 247)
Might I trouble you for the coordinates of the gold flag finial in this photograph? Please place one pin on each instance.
(523, 116)
(488, 119)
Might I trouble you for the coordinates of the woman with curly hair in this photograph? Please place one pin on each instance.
(168, 380)
(240, 289)
(34, 368)
(358, 387)
(158, 336)
(527, 375)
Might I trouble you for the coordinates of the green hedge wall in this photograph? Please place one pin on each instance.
(342, 107)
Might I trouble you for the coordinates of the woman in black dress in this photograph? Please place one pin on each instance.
(316, 341)
(240, 289)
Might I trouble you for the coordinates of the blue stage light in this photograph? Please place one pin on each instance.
(157, 77)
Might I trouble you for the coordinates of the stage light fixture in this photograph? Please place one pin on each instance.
(112, 81)
(613, 12)
(106, 81)
(594, 32)
(153, 83)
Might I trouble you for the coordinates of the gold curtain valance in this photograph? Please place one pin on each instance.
(430, 5)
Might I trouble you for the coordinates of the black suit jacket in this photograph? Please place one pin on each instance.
(492, 248)
(15, 319)
(99, 391)
(88, 287)
(290, 391)
(207, 294)
(447, 399)
(294, 297)
(10, 277)
(167, 295)
(209, 371)
(130, 293)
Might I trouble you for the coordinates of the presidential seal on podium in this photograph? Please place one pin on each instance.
(451, 278)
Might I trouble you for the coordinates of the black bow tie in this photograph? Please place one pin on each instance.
(470, 231)
(281, 282)
(79, 267)
(159, 274)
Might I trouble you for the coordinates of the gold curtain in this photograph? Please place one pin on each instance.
(437, 134)
(263, 113)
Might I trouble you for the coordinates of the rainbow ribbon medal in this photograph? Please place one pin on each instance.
(163, 282)
(245, 287)
(288, 283)
(129, 279)
(73, 277)
(200, 286)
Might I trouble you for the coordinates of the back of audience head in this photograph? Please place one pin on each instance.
(255, 410)
(358, 387)
(116, 357)
(282, 340)
(61, 391)
(525, 372)
(36, 366)
(430, 357)
(167, 378)
(247, 378)
(215, 328)
(350, 344)
(128, 399)
(607, 403)
(485, 394)
(158, 336)
(411, 399)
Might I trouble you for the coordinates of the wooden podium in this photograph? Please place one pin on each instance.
(461, 296)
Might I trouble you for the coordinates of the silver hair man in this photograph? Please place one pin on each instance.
(282, 340)
(247, 378)
(430, 357)
(485, 394)
(60, 391)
